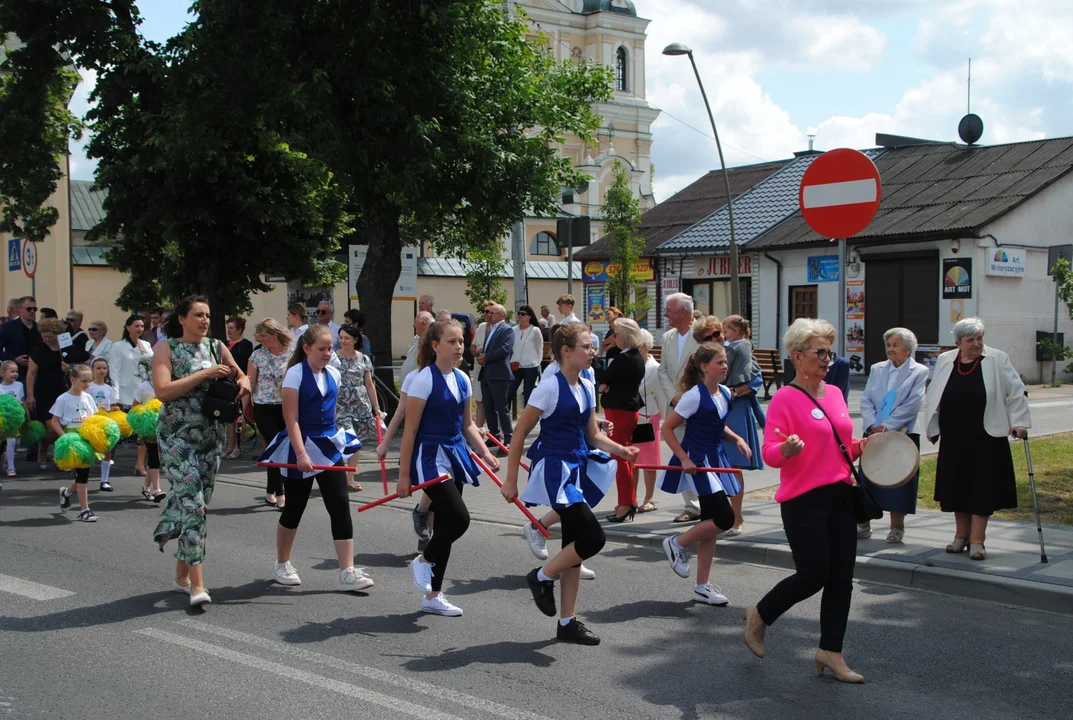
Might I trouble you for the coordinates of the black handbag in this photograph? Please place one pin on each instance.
(865, 507)
(643, 432)
(220, 402)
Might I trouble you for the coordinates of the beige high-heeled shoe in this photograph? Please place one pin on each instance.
(823, 660)
(755, 640)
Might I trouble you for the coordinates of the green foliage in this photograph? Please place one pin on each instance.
(1062, 274)
(622, 215)
(484, 279)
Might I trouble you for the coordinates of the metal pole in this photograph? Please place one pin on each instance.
(735, 287)
(1054, 339)
(841, 345)
(570, 264)
(517, 233)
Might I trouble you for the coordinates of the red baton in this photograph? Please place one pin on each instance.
(506, 449)
(732, 471)
(525, 511)
(393, 496)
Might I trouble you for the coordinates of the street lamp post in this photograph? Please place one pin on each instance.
(675, 49)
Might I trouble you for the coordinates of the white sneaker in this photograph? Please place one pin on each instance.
(354, 579)
(537, 544)
(440, 605)
(587, 574)
(678, 558)
(286, 574)
(422, 575)
(710, 594)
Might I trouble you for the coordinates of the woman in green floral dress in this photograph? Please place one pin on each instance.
(190, 444)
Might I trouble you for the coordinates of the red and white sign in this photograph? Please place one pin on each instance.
(840, 193)
(29, 258)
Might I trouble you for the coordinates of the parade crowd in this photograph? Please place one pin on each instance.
(308, 388)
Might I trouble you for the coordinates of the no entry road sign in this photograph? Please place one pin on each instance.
(840, 193)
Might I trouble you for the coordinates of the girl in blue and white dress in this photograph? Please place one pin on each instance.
(309, 438)
(703, 407)
(434, 443)
(565, 474)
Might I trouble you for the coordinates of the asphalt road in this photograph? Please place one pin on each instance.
(98, 634)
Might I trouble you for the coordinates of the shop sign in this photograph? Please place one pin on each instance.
(1006, 262)
(719, 266)
(598, 271)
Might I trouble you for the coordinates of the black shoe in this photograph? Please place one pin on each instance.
(575, 632)
(65, 499)
(614, 518)
(422, 543)
(543, 593)
(105, 487)
(420, 520)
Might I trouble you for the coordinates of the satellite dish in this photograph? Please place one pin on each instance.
(971, 128)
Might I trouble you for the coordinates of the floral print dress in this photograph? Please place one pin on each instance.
(190, 449)
(353, 411)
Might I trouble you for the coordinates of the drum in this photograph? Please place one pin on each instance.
(890, 459)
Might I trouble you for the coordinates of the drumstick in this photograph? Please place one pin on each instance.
(393, 496)
(780, 434)
(518, 503)
(732, 471)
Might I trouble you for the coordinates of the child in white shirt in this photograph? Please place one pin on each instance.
(70, 410)
(103, 392)
(10, 385)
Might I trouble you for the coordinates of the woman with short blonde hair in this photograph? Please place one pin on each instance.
(707, 328)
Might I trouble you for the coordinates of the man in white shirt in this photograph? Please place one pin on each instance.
(677, 347)
(326, 317)
(545, 313)
(409, 363)
(566, 309)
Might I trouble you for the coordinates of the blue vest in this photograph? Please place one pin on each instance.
(705, 427)
(441, 421)
(563, 432)
(316, 412)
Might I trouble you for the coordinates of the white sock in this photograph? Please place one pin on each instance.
(106, 470)
(566, 621)
(542, 577)
(10, 453)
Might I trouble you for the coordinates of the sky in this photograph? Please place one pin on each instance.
(777, 71)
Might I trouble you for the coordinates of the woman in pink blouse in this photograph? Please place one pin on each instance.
(816, 493)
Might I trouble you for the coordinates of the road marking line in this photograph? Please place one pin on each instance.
(1050, 403)
(355, 691)
(308, 656)
(32, 590)
(850, 192)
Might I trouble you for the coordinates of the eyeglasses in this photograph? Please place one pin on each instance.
(94, 329)
(714, 336)
(822, 354)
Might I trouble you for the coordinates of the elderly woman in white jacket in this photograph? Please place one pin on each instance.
(975, 401)
(653, 397)
(890, 403)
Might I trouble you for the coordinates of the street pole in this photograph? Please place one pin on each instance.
(570, 264)
(517, 242)
(735, 287)
(1054, 337)
(841, 344)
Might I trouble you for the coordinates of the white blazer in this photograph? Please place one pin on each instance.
(652, 394)
(670, 365)
(1007, 406)
(909, 395)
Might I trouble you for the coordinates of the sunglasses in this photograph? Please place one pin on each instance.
(94, 329)
(714, 336)
(31, 309)
(324, 312)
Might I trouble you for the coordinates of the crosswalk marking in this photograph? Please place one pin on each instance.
(308, 657)
(30, 589)
(318, 681)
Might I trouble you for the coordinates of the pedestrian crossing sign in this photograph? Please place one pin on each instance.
(14, 254)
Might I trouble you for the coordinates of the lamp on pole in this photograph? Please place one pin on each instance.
(675, 49)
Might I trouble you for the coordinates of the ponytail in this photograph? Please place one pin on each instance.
(308, 338)
(693, 374)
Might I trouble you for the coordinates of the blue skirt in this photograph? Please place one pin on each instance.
(742, 421)
(563, 480)
(329, 449)
(432, 459)
(700, 484)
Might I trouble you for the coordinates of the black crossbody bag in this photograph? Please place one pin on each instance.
(219, 403)
(865, 506)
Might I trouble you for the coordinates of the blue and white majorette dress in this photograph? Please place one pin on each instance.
(324, 443)
(703, 443)
(439, 448)
(563, 469)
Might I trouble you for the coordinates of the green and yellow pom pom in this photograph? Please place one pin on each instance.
(12, 416)
(101, 432)
(143, 419)
(72, 452)
(120, 419)
(33, 433)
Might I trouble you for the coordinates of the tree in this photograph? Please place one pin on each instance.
(484, 277)
(622, 215)
(1062, 274)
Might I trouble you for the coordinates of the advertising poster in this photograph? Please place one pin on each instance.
(405, 287)
(855, 325)
(595, 304)
(823, 268)
(957, 278)
(640, 304)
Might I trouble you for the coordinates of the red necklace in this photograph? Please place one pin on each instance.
(975, 364)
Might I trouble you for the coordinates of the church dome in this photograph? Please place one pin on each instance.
(623, 7)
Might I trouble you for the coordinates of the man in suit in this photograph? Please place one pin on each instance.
(495, 374)
(19, 336)
(677, 347)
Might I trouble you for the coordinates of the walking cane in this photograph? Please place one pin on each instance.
(1035, 500)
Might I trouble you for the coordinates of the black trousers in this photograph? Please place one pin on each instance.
(333, 491)
(529, 377)
(496, 409)
(269, 420)
(822, 531)
(452, 521)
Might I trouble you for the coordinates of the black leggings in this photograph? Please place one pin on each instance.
(822, 531)
(269, 421)
(82, 476)
(336, 501)
(452, 521)
(580, 526)
(716, 507)
(152, 456)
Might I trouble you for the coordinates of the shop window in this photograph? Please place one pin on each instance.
(804, 302)
(544, 244)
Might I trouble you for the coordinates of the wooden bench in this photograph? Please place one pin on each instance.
(656, 353)
(771, 366)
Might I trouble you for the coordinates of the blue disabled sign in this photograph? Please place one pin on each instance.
(14, 254)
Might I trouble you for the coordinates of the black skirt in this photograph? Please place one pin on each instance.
(975, 470)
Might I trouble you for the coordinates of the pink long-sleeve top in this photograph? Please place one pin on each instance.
(820, 462)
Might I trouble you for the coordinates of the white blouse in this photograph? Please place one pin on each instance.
(528, 347)
(123, 365)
